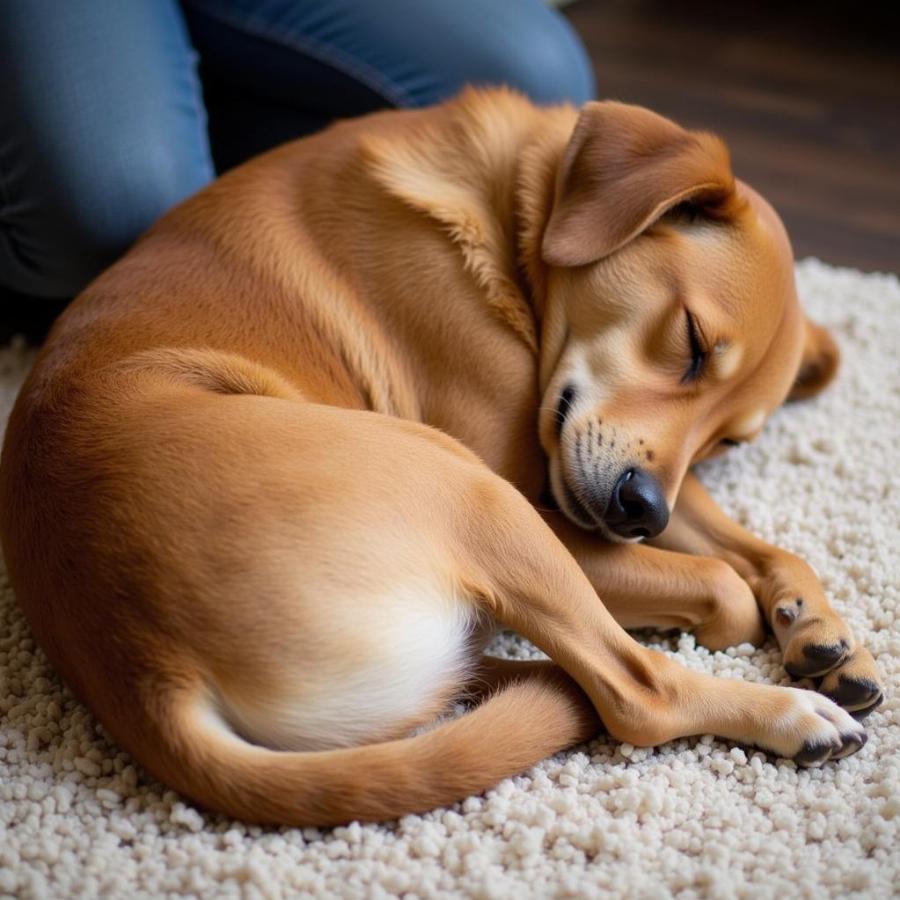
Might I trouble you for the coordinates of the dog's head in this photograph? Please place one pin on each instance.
(671, 327)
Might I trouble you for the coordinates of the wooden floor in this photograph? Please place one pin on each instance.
(808, 100)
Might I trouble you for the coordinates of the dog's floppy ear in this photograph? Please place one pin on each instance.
(818, 365)
(623, 168)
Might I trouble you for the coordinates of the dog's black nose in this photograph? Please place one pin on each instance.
(638, 507)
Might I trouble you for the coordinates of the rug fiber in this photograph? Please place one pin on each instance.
(695, 818)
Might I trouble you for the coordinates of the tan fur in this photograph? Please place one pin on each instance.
(273, 477)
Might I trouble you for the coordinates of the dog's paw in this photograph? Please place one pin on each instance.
(855, 684)
(812, 730)
(813, 641)
(821, 647)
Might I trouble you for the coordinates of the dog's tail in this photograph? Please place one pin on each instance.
(509, 731)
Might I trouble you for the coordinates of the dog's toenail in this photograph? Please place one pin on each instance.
(811, 754)
(850, 744)
(860, 714)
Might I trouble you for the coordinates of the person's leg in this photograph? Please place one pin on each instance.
(102, 129)
(275, 69)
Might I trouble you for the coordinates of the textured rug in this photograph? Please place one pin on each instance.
(694, 818)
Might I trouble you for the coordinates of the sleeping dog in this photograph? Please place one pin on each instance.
(278, 472)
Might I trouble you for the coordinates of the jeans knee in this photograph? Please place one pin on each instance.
(67, 232)
(545, 59)
(44, 267)
(51, 262)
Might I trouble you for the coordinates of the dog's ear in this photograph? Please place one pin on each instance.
(818, 365)
(623, 168)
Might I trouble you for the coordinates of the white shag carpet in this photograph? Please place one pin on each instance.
(695, 818)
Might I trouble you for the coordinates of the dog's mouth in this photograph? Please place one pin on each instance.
(559, 495)
(575, 508)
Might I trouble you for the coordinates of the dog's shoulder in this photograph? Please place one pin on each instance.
(459, 164)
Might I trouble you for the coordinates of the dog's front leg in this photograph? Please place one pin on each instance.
(815, 640)
(513, 568)
(648, 587)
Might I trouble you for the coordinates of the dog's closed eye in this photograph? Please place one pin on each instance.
(699, 354)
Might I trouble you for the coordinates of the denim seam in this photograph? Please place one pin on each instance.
(201, 119)
(198, 107)
(324, 53)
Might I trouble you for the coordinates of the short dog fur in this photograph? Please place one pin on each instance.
(278, 472)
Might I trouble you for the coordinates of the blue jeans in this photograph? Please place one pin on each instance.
(107, 119)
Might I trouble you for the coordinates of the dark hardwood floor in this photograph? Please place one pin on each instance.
(806, 94)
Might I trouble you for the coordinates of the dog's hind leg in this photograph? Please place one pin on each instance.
(494, 673)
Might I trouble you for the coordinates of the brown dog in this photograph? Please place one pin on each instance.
(272, 479)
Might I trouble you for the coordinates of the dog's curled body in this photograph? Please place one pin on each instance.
(267, 486)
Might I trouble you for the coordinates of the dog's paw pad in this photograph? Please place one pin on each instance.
(855, 684)
(786, 613)
(817, 659)
(813, 639)
(854, 695)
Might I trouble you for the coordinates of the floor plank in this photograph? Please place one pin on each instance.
(806, 95)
